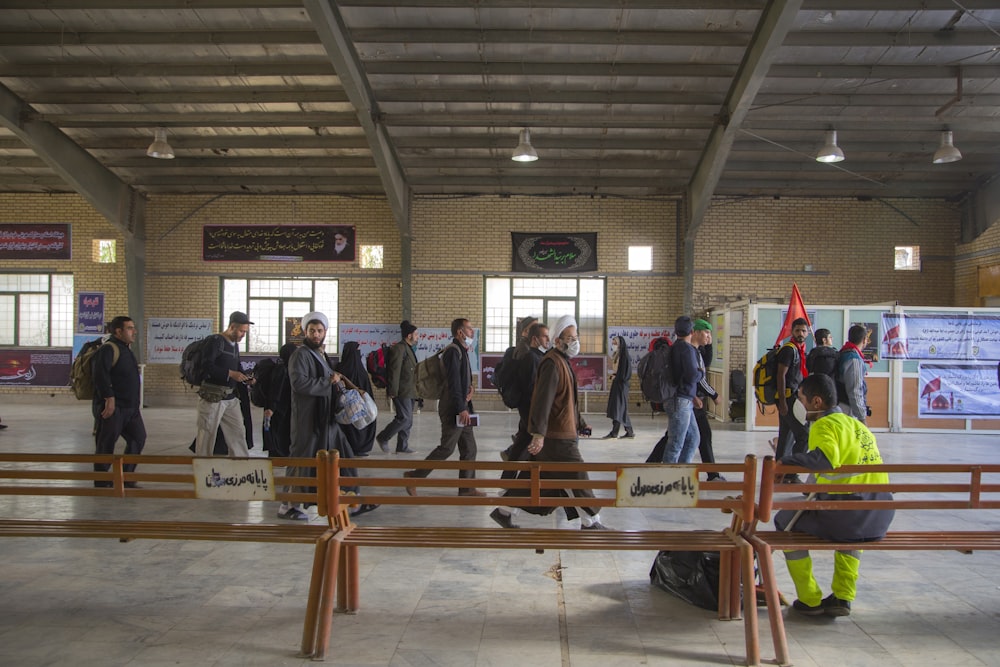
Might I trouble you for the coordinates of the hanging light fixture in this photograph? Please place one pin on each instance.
(831, 151)
(946, 152)
(524, 152)
(160, 149)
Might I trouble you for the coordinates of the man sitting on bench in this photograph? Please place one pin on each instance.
(835, 440)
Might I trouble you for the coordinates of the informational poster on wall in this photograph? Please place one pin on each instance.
(42, 367)
(952, 336)
(166, 337)
(637, 339)
(963, 390)
(371, 336)
(35, 241)
(277, 243)
(590, 372)
(553, 253)
(90, 312)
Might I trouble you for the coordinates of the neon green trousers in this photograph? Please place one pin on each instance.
(846, 565)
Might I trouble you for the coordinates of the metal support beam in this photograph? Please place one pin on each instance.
(123, 207)
(333, 34)
(775, 22)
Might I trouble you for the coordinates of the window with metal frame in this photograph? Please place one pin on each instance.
(509, 299)
(36, 309)
(273, 303)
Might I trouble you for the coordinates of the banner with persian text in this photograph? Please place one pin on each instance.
(933, 336)
(962, 390)
(34, 241)
(554, 253)
(277, 243)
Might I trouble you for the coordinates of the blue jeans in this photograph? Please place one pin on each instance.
(682, 431)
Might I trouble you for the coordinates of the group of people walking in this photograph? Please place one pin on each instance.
(304, 404)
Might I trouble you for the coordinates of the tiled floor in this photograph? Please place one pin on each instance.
(99, 602)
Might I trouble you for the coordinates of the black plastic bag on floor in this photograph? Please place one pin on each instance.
(693, 576)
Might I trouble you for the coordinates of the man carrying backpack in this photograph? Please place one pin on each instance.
(822, 359)
(116, 397)
(401, 385)
(852, 388)
(793, 435)
(218, 403)
(536, 343)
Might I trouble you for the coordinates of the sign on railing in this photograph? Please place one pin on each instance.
(657, 486)
(233, 479)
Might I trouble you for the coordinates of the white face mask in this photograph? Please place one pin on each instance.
(573, 349)
(799, 412)
(614, 349)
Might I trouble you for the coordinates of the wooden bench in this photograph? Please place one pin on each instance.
(382, 483)
(163, 478)
(917, 488)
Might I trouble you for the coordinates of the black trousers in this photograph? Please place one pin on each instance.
(518, 451)
(125, 423)
(792, 434)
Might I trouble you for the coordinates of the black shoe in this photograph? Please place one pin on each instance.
(834, 606)
(791, 479)
(363, 509)
(103, 485)
(132, 485)
(715, 477)
(384, 446)
(807, 610)
(3, 426)
(628, 434)
(361, 455)
(406, 451)
(505, 520)
(610, 436)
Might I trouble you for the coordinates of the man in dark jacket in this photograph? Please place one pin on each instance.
(822, 358)
(455, 408)
(555, 422)
(117, 397)
(532, 343)
(687, 370)
(401, 385)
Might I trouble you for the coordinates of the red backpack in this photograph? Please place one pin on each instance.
(376, 363)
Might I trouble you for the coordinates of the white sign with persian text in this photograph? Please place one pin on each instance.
(233, 479)
(166, 337)
(657, 486)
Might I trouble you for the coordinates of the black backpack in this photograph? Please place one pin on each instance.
(192, 360)
(655, 376)
(506, 381)
(260, 391)
(375, 363)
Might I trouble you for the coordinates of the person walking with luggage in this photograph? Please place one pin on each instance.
(454, 408)
(117, 397)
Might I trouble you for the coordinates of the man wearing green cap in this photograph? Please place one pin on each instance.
(702, 339)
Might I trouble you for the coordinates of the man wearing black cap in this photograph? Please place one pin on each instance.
(686, 370)
(219, 404)
(401, 385)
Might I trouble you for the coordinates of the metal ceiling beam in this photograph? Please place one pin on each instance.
(199, 119)
(883, 5)
(775, 22)
(337, 41)
(114, 199)
(120, 204)
(303, 67)
(182, 96)
(814, 38)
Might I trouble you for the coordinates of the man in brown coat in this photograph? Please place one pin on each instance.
(555, 423)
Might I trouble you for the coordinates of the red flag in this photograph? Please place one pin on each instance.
(931, 387)
(796, 309)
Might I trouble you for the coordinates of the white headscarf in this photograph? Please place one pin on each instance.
(561, 324)
(315, 315)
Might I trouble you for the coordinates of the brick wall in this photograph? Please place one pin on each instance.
(751, 247)
(88, 275)
(984, 251)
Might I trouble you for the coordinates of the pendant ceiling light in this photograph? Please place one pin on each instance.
(831, 151)
(524, 152)
(947, 152)
(160, 149)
